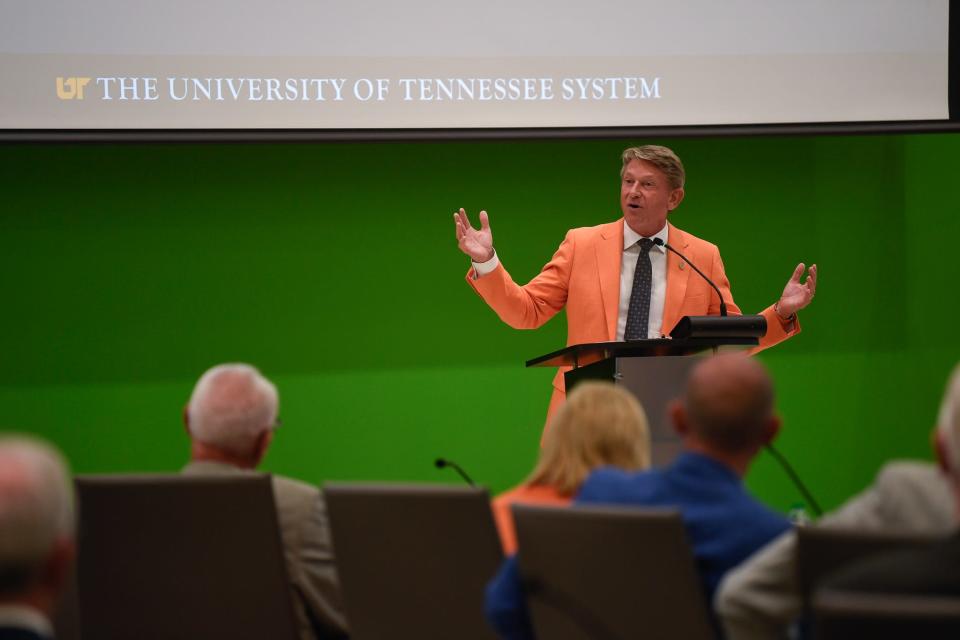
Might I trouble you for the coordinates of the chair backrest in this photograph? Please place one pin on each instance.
(847, 615)
(413, 560)
(181, 557)
(604, 573)
(823, 550)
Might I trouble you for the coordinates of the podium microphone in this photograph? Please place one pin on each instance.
(723, 305)
(440, 463)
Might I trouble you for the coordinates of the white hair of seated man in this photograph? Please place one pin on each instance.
(948, 428)
(36, 514)
(231, 405)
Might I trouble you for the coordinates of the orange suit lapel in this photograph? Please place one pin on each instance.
(609, 250)
(677, 274)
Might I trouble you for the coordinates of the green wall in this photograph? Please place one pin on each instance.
(129, 269)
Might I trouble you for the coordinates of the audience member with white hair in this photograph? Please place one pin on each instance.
(930, 570)
(231, 419)
(36, 536)
(760, 600)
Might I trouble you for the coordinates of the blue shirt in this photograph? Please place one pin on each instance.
(724, 525)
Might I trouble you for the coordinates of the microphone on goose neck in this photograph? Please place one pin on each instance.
(441, 463)
(723, 305)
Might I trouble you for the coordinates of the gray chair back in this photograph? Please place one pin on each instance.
(413, 560)
(608, 573)
(847, 615)
(163, 557)
(823, 550)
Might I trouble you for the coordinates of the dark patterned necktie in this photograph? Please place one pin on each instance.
(638, 316)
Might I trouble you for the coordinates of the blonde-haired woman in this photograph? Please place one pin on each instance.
(599, 425)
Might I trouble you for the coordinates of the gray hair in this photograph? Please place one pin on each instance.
(948, 424)
(231, 405)
(36, 508)
(661, 157)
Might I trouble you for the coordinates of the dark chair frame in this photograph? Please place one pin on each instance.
(172, 556)
(610, 573)
(413, 560)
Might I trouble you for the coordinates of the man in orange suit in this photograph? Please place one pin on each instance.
(615, 282)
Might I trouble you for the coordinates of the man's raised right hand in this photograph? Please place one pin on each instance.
(476, 243)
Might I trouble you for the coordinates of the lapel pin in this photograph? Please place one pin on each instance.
(682, 264)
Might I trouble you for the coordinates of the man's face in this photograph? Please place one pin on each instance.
(646, 197)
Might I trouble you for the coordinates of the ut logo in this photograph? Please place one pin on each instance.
(71, 88)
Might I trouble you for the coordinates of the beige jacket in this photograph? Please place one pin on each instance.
(302, 517)
(760, 599)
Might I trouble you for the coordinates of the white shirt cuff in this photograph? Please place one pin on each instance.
(483, 268)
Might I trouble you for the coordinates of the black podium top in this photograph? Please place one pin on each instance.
(579, 355)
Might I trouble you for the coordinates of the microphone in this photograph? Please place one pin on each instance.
(723, 305)
(441, 463)
(795, 478)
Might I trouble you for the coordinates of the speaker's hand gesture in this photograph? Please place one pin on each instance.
(797, 295)
(476, 243)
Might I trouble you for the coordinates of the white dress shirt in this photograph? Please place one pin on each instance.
(658, 290)
(628, 265)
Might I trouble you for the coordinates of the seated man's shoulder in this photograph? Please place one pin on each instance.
(767, 521)
(906, 496)
(611, 483)
(919, 492)
(911, 474)
(294, 493)
(750, 525)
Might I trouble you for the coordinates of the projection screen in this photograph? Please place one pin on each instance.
(436, 64)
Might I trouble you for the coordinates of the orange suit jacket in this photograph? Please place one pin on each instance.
(584, 277)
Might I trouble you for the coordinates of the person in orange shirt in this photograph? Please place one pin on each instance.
(599, 425)
(614, 281)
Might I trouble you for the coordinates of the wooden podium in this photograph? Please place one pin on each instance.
(655, 371)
